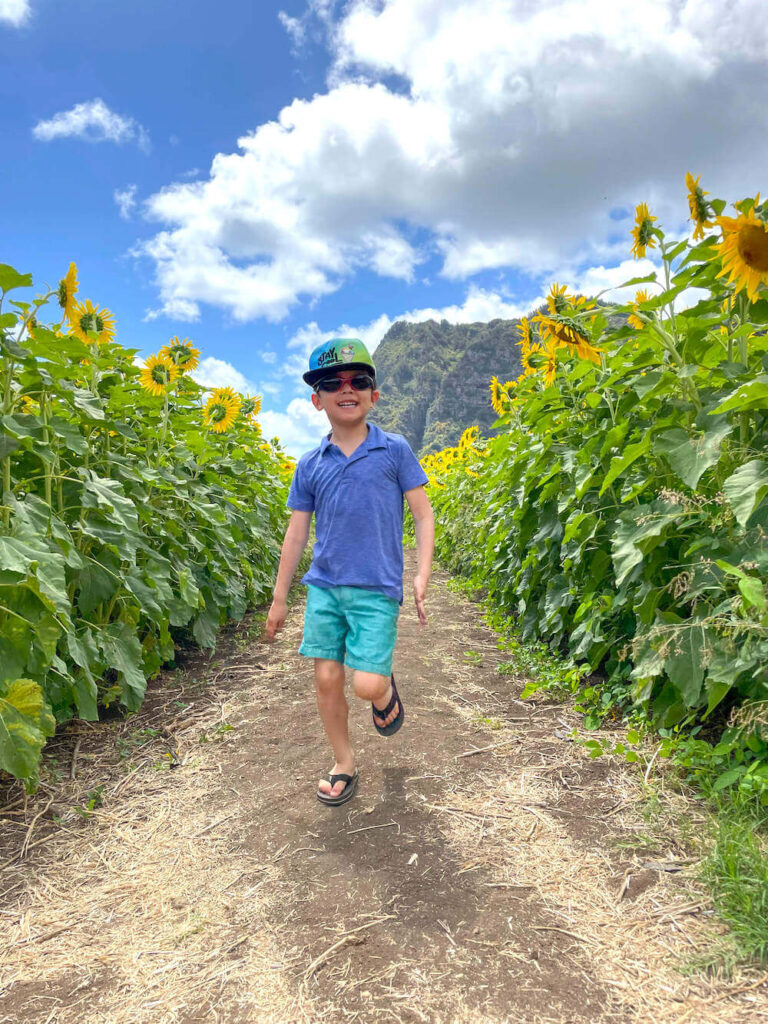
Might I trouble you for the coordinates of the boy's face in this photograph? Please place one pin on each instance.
(346, 407)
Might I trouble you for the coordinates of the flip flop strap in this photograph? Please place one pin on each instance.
(383, 712)
(341, 777)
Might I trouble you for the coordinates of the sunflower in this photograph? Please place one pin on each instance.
(698, 205)
(529, 360)
(643, 232)
(550, 367)
(499, 399)
(68, 291)
(525, 335)
(89, 319)
(157, 374)
(250, 407)
(29, 405)
(227, 394)
(220, 412)
(635, 321)
(562, 330)
(744, 251)
(558, 298)
(468, 438)
(182, 353)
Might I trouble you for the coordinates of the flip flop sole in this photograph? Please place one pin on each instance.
(392, 728)
(346, 794)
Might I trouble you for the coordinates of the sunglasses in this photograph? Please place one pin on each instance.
(360, 382)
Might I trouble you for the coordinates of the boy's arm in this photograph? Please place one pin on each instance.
(424, 523)
(296, 537)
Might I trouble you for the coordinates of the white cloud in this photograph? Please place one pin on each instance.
(269, 357)
(295, 27)
(126, 200)
(92, 121)
(16, 12)
(217, 373)
(519, 127)
(299, 428)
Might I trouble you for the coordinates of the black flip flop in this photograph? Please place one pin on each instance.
(346, 794)
(394, 725)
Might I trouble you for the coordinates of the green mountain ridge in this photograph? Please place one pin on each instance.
(434, 378)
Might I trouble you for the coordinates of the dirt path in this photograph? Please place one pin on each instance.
(487, 870)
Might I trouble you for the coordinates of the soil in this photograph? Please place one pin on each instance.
(177, 867)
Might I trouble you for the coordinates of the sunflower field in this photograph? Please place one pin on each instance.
(621, 514)
(137, 508)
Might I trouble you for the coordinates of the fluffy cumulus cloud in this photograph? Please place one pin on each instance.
(217, 373)
(512, 131)
(299, 428)
(92, 121)
(16, 12)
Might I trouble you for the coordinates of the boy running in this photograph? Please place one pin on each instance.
(354, 483)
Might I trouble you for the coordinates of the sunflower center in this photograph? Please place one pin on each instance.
(217, 412)
(753, 247)
(62, 293)
(160, 375)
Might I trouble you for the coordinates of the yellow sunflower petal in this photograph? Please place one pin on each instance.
(744, 252)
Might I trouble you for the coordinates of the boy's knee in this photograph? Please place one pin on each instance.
(369, 685)
(329, 676)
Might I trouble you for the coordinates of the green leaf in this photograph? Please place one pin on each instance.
(122, 650)
(206, 625)
(622, 462)
(752, 591)
(691, 457)
(752, 395)
(96, 584)
(10, 278)
(746, 488)
(25, 722)
(728, 778)
(637, 533)
(88, 403)
(7, 445)
(639, 280)
(685, 664)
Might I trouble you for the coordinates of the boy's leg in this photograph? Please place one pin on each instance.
(377, 689)
(334, 711)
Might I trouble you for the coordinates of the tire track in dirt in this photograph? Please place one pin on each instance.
(461, 884)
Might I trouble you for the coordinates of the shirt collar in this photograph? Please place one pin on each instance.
(376, 439)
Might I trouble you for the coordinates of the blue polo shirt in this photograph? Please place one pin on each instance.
(358, 506)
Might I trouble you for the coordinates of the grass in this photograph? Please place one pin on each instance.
(736, 873)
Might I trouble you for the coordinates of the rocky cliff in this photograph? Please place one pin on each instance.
(433, 378)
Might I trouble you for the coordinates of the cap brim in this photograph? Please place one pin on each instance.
(311, 377)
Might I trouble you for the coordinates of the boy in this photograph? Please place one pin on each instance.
(354, 483)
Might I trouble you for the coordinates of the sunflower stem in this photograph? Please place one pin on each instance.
(8, 367)
(47, 436)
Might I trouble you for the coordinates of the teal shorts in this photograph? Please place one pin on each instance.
(354, 626)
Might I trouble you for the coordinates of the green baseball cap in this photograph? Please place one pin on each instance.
(338, 354)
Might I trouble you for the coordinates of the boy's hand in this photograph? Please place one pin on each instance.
(419, 594)
(276, 618)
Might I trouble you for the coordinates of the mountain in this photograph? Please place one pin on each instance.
(434, 378)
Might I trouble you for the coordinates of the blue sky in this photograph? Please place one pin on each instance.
(260, 176)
